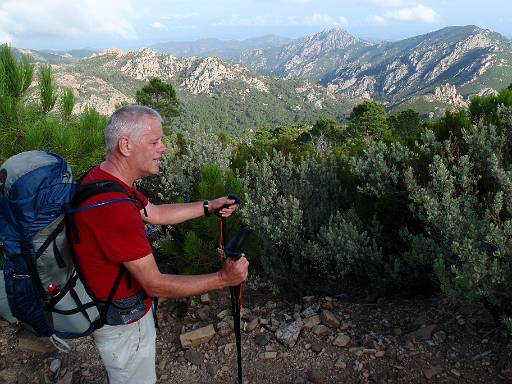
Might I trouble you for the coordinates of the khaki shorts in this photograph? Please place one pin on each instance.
(128, 351)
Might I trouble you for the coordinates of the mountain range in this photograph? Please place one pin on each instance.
(236, 85)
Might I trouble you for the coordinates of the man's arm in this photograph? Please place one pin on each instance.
(169, 214)
(157, 284)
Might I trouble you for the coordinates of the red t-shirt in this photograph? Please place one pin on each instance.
(110, 235)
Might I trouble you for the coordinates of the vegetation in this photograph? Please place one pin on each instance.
(28, 125)
(384, 203)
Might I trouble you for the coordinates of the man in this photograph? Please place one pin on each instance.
(113, 235)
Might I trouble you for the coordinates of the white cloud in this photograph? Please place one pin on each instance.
(66, 19)
(417, 13)
(323, 19)
(376, 19)
(159, 25)
(385, 3)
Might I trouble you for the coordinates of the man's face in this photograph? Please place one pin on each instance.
(147, 153)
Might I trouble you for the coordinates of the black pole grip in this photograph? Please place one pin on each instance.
(234, 246)
(230, 197)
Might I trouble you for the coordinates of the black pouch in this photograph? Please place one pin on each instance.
(128, 310)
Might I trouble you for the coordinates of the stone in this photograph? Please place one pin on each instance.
(439, 337)
(329, 319)
(197, 337)
(288, 334)
(424, 333)
(253, 324)
(66, 379)
(316, 376)
(321, 330)
(317, 347)
(433, 371)
(205, 298)
(311, 322)
(268, 355)
(195, 357)
(261, 339)
(34, 344)
(223, 314)
(340, 364)
(312, 310)
(55, 365)
(229, 348)
(341, 340)
(380, 354)
(203, 313)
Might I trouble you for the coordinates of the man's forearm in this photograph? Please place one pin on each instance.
(169, 214)
(175, 286)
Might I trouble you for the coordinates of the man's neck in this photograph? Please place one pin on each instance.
(118, 169)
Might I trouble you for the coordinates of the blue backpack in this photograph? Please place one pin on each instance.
(43, 285)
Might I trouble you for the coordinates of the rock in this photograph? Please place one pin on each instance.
(66, 379)
(268, 355)
(433, 371)
(312, 310)
(229, 348)
(308, 299)
(311, 322)
(340, 364)
(261, 339)
(317, 347)
(380, 354)
(253, 324)
(424, 333)
(203, 313)
(321, 330)
(289, 333)
(197, 337)
(345, 326)
(341, 340)
(29, 343)
(195, 357)
(439, 337)
(223, 314)
(205, 299)
(162, 364)
(329, 319)
(316, 376)
(55, 366)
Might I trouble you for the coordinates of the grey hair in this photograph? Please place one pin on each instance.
(128, 121)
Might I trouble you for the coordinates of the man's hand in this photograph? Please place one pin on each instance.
(227, 206)
(234, 272)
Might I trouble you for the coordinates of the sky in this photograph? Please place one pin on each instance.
(131, 24)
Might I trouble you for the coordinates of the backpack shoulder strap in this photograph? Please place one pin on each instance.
(88, 190)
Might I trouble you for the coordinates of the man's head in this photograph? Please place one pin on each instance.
(129, 121)
(135, 133)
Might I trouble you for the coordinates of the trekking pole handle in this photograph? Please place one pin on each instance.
(230, 197)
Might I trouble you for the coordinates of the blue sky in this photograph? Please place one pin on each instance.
(127, 24)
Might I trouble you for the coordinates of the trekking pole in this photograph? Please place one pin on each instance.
(232, 250)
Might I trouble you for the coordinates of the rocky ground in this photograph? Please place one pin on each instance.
(319, 340)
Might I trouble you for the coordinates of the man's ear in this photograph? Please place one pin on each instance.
(125, 145)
